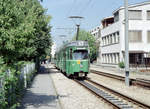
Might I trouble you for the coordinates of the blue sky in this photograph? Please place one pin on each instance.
(93, 12)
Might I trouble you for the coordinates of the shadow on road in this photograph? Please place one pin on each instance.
(37, 100)
(44, 70)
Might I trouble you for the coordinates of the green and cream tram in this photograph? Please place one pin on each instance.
(73, 59)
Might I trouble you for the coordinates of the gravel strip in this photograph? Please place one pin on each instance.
(137, 93)
(74, 96)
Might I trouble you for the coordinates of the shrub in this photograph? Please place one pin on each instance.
(121, 65)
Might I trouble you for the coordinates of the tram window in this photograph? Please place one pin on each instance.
(80, 54)
(70, 53)
(64, 54)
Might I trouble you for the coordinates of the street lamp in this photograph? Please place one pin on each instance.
(127, 81)
(77, 24)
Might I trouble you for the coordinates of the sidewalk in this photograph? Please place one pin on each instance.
(119, 72)
(42, 94)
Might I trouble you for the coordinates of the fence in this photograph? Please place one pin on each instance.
(23, 79)
(27, 73)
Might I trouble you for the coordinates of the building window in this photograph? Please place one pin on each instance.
(103, 40)
(118, 38)
(115, 61)
(114, 38)
(135, 36)
(118, 58)
(148, 15)
(148, 36)
(135, 14)
(107, 40)
(111, 40)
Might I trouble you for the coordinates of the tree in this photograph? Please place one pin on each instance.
(24, 30)
(86, 36)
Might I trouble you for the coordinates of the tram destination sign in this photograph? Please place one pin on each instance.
(78, 43)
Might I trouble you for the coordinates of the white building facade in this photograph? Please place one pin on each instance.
(113, 36)
(53, 50)
(96, 32)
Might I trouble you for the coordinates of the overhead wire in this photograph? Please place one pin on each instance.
(85, 7)
(71, 8)
(80, 11)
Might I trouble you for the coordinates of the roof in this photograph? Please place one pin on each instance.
(133, 5)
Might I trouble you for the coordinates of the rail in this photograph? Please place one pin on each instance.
(109, 95)
(140, 104)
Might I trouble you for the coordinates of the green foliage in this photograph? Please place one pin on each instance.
(13, 86)
(24, 30)
(2, 66)
(86, 36)
(121, 65)
(24, 36)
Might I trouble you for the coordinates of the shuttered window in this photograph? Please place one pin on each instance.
(135, 36)
(135, 14)
(148, 15)
(148, 36)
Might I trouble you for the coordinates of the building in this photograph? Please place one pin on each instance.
(96, 32)
(113, 36)
(53, 50)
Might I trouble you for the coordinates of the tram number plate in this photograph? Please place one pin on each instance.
(81, 74)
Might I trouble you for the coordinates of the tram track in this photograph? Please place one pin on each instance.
(138, 81)
(113, 98)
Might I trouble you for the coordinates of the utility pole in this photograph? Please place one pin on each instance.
(77, 24)
(127, 81)
(78, 29)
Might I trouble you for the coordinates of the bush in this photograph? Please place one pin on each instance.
(13, 85)
(121, 65)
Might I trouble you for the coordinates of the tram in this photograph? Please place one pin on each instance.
(73, 59)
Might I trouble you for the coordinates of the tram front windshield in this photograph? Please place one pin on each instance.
(80, 54)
